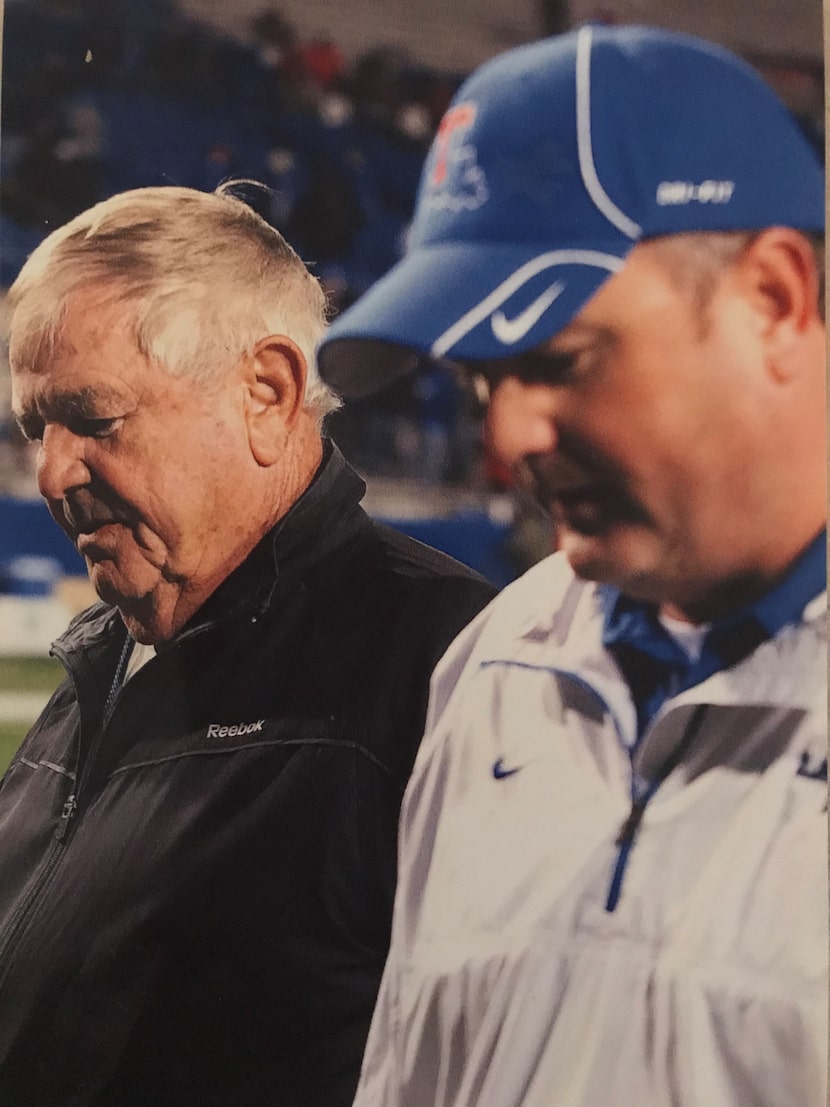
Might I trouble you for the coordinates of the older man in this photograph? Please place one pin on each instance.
(197, 839)
(613, 879)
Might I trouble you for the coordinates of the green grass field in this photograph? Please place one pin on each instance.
(21, 675)
(29, 674)
(11, 735)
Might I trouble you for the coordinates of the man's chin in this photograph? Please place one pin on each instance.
(612, 553)
(586, 553)
(624, 558)
(113, 586)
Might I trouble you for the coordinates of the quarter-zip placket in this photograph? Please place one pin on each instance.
(642, 792)
(70, 806)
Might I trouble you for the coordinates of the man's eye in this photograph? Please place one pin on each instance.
(532, 368)
(547, 368)
(96, 428)
(31, 429)
(474, 388)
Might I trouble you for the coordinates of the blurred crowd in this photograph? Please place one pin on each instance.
(104, 95)
(101, 95)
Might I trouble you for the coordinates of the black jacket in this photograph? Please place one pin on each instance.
(196, 886)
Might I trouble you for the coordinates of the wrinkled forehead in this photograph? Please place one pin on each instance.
(37, 397)
(42, 327)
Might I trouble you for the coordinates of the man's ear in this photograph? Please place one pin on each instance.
(780, 274)
(275, 389)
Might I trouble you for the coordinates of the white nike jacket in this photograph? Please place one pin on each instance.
(508, 983)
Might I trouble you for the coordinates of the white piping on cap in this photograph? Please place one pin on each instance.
(584, 144)
(444, 343)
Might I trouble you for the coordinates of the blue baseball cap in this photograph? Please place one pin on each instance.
(551, 163)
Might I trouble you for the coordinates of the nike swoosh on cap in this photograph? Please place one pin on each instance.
(511, 331)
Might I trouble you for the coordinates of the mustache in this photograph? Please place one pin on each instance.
(571, 473)
(570, 467)
(84, 511)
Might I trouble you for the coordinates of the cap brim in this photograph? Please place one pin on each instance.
(462, 301)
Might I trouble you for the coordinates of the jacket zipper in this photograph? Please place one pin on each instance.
(46, 869)
(70, 807)
(641, 791)
(625, 838)
(67, 814)
(641, 794)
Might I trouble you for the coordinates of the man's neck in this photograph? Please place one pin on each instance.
(162, 613)
(739, 593)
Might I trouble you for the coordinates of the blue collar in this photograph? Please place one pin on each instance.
(633, 633)
(805, 580)
(636, 624)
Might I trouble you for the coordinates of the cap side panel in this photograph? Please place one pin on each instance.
(587, 168)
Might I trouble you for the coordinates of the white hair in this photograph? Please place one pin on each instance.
(204, 276)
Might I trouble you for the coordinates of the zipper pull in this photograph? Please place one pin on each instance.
(66, 815)
(632, 824)
(642, 793)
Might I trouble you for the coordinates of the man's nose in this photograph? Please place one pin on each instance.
(520, 421)
(60, 462)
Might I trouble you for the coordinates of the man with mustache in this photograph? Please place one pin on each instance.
(197, 838)
(613, 862)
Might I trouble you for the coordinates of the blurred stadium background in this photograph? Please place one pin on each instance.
(334, 107)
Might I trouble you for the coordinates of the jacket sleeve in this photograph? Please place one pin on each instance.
(379, 1084)
(386, 1068)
